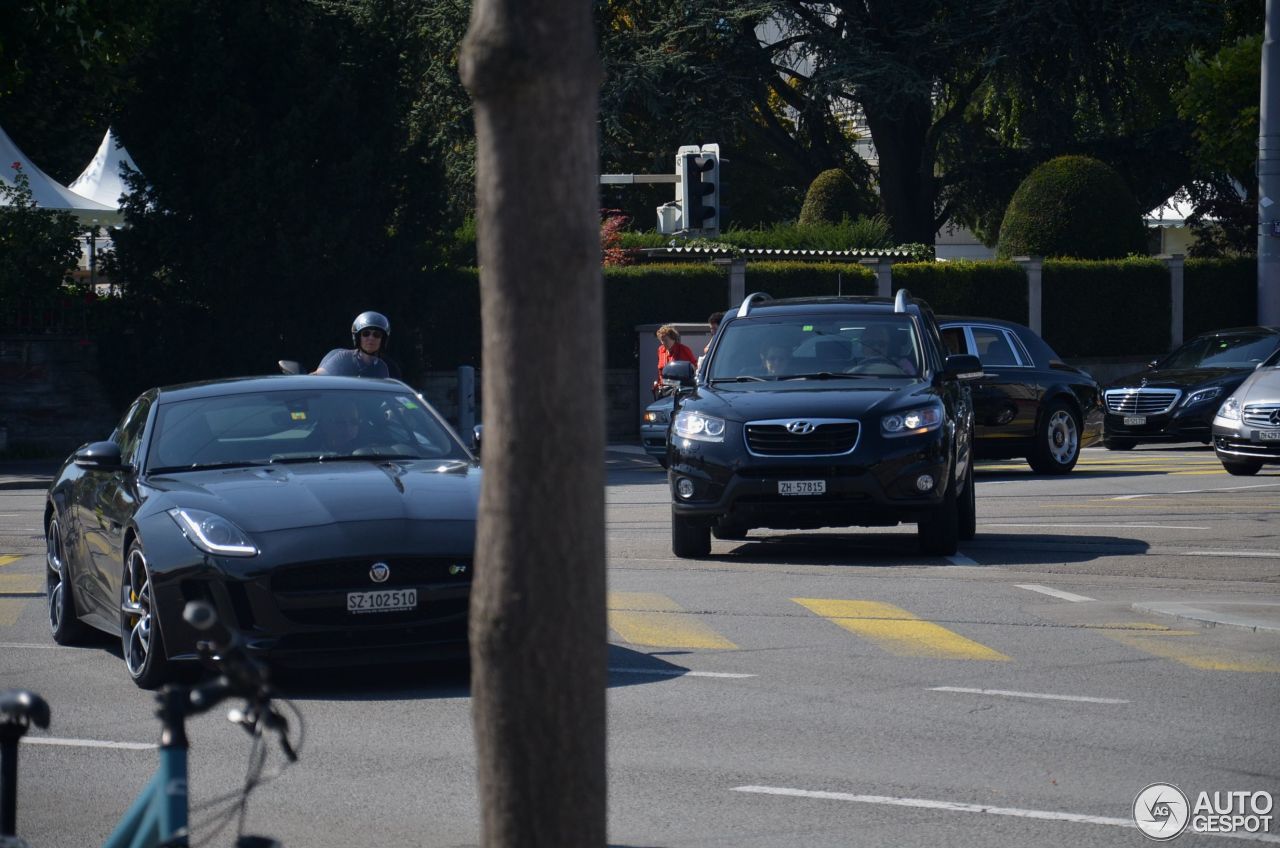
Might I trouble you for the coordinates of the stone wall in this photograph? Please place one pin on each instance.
(51, 400)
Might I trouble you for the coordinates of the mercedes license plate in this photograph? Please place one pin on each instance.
(383, 600)
(1135, 420)
(1268, 435)
(802, 487)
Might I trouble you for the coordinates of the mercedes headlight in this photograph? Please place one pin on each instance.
(212, 533)
(911, 422)
(702, 428)
(1202, 395)
(1230, 410)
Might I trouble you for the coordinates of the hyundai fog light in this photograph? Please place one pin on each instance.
(684, 487)
(924, 482)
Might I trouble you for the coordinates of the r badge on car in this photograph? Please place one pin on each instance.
(379, 572)
(800, 428)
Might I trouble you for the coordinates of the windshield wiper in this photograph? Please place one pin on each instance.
(210, 466)
(745, 378)
(819, 375)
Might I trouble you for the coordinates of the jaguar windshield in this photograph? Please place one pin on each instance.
(816, 349)
(297, 426)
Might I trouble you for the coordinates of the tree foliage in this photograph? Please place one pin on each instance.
(832, 197)
(38, 247)
(1220, 101)
(278, 211)
(1072, 206)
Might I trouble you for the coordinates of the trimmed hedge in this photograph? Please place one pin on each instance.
(832, 197)
(675, 293)
(987, 289)
(1105, 308)
(1219, 293)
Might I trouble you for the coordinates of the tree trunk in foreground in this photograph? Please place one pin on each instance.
(538, 631)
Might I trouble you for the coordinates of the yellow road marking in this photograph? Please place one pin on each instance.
(898, 631)
(21, 584)
(5, 559)
(10, 608)
(1187, 647)
(656, 621)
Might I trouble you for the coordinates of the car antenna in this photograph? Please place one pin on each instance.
(900, 300)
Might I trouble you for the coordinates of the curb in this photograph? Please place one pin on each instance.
(1212, 618)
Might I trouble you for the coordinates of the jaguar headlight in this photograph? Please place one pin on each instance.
(212, 533)
(1230, 410)
(1202, 395)
(699, 427)
(912, 421)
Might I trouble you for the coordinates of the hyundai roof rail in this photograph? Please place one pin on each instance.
(745, 308)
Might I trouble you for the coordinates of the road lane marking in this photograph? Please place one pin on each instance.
(1187, 647)
(5, 559)
(678, 672)
(1057, 593)
(1196, 491)
(1010, 694)
(29, 646)
(898, 631)
(1264, 554)
(89, 743)
(960, 559)
(1112, 526)
(961, 807)
(656, 621)
(22, 584)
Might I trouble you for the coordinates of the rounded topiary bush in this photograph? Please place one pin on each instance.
(834, 196)
(1072, 206)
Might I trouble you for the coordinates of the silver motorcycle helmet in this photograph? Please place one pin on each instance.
(374, 320)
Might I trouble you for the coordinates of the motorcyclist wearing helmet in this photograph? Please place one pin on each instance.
(370, 333)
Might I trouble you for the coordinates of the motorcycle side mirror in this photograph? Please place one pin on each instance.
(289, 366)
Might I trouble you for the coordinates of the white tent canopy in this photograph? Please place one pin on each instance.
(101, 179)
(47, 192)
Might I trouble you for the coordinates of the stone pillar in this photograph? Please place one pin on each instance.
(1033, 266)
(1176, 263)
(883, 267)
(466, 401)
(737, 281)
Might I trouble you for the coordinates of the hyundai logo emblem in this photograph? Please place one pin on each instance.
(379, 572)
(800, 428)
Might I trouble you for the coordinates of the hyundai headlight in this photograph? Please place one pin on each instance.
(212, 533)
(699, 427)
(1230, 410)
(1202, 395)
(911, 422)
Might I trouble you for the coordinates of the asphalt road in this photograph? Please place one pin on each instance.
(798, 689)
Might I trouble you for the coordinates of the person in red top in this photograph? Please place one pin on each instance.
(671, 350)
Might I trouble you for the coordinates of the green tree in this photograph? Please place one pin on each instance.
(1040, 76)
(832, 197)
(39, 248)
(1220, 100)
(278, 211)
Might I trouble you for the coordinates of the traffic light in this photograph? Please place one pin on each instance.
(699, 170)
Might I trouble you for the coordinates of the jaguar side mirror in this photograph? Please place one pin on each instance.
(104, 456)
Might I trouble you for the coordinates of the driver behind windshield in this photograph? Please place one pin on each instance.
(339, 428)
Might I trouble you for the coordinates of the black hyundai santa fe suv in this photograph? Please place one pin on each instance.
(823, 412)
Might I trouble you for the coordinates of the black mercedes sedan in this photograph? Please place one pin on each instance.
(1028, 402)
(1174, 399)
(327, 519)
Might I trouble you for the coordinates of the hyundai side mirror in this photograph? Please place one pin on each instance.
(679, 373)
(962, 366)
(104, 456)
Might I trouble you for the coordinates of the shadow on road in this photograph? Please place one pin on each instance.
(897, 550)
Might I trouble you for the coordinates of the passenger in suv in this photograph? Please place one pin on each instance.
(838, 434)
